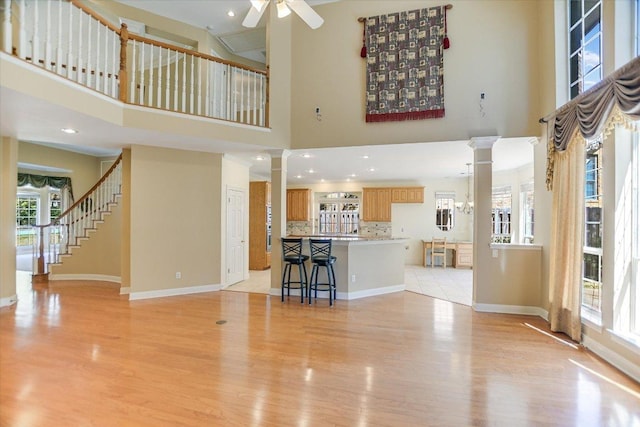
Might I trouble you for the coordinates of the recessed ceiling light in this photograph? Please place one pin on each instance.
(371, 169)
(353, 175)
(69, 130)
(312, 171)
(365, 157)
(231, 13)
(259, 158)
(306, 155)
(298, 176)
(322, 180)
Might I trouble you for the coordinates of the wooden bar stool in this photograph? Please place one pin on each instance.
(320, 250)
(292, 255)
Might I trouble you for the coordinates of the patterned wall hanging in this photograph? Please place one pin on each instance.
(405, 65)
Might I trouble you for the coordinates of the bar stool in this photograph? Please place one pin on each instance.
(320, 250)
(292, 255)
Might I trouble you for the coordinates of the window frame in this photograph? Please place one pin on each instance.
(578, 83)
(30, 240)
(445, 201)
(502, 230)
(527, 212)
(340, 200)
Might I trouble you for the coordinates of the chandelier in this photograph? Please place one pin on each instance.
(466, 207)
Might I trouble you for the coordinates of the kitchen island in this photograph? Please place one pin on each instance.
(365, 266)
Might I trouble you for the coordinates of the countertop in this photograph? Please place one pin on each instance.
(352, 238)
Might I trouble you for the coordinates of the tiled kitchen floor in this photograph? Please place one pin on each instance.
(448, 284)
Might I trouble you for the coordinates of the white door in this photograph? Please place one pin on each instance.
(235, 236)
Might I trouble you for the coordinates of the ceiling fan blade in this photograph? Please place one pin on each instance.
(304, 11)
(254, 15)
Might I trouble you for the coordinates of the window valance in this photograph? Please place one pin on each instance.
(39, 181)
(615, 100)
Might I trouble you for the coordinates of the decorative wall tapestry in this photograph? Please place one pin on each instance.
(405, 65)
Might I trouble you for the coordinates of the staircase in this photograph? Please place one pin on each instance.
(74, 225)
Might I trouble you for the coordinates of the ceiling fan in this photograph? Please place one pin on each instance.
(284, 7)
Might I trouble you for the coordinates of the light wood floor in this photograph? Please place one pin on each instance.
(80, 354)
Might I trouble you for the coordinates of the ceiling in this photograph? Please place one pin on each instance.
(397, 162)
(213, 15)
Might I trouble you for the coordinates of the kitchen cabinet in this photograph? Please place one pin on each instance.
(259, 225)
(298, 204)
(376, 204)
(407, 195)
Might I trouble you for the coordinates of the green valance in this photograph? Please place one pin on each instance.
(39, 181)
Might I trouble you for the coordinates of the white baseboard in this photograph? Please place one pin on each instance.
(346, 295)
(161, 293)
(612, 357)
(7, 301)
(371, 292)
(95, 277)
(511, 309)
(125, 290)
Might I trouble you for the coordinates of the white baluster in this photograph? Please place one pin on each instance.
(97, 68)
(175, 88)
(168, 83)
(159, 97)
(254, 107)
(150, 101)
(7, 30)
(191, 96)
(114, 64)
(105, 72)
(240, 118)
(142, 68)
(262, 97)
(229, 92)
(47, 42)
(207, 97)
(184, 83)
(134, 60)
(35, 42)
(59, 40)
(89, 77)
(70, 43)
(199, 87)
(79, 56)
(22, 35)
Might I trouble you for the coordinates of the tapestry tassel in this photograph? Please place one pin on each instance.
(445, 41)
(363, 51)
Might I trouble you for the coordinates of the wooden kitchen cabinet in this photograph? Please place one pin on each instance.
(259, 225)
(376, 204)
(407, 195)
(298, 204)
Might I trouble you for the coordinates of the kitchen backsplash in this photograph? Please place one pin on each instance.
(367, 229)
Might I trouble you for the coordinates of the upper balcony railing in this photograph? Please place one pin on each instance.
(69, 39)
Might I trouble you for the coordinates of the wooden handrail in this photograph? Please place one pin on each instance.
(194, 53)
(95, 16)
(86, 195)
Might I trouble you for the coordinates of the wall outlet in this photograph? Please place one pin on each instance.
(494, 253)
(178, 275)
(353, 278)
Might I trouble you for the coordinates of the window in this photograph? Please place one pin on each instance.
(592, 250)
(526, 212)
(585, 45)
(445, 210)
(27, 206)
(635, 235)
(637, 27)
(338, 213)
(501, 215)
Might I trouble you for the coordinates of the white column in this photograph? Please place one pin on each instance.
(482, 181)
(278, 212)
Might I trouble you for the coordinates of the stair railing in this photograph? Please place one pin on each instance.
(56, 239)
(70, 39)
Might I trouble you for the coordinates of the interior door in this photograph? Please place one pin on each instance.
(235, 236)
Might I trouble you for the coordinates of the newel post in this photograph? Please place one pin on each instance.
(122, 76)
(40, 276)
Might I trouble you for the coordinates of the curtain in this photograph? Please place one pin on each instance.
(405, 65)
(594, 113)
(566, 242)
(39, 181)
(615, 100)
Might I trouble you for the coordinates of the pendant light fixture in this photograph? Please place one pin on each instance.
(467, 206)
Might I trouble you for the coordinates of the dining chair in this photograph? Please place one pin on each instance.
(439, 250)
